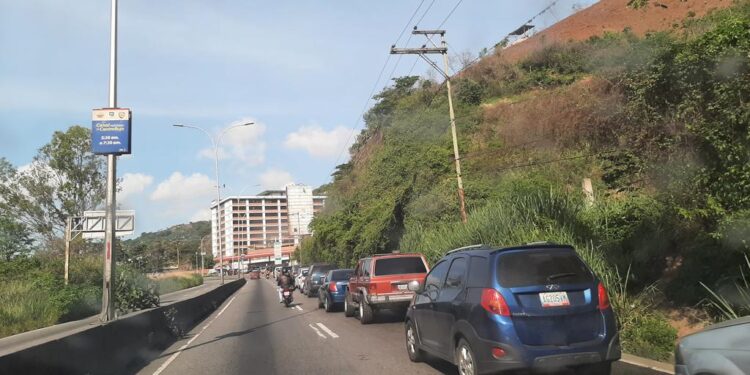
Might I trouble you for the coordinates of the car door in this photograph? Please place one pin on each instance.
(424, 305)
(447, 304)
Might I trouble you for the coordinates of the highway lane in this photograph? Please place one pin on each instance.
(252, 333)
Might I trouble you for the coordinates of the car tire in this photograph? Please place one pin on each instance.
(348, 308)
(365, 312)
(328, 304)
(465, 359)
(412, 348)
(603, 368)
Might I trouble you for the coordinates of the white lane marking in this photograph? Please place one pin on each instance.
(316, 331)
(328, 330)
(177, 353)
(298, 308)
(225, 307)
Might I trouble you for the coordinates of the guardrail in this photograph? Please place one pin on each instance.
(122, 346)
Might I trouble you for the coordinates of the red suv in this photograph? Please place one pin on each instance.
(380, 282)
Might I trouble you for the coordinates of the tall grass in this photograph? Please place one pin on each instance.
(175, 283)
(553, 217)
(734, 302)
(25, 307)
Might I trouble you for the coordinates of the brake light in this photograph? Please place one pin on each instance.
(494, 302)
(603, 297)
(332, 287)
(498, 353)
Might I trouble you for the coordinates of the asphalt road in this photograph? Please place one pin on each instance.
(252, 333)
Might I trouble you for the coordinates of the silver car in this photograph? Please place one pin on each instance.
(722, 348)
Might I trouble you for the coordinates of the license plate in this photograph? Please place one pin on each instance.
(402, 287)
(286, 294)
(554, 299)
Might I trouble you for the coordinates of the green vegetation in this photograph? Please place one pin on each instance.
(175, 283)
(659, 124)
(155, 251)
(64, 180)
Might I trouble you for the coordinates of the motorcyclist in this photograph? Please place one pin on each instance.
(284, 281)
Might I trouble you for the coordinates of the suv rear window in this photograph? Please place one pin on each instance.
(542, 267)
(320, 270)
(342, 275)
(400, 265)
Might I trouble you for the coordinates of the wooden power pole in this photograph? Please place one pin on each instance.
(443, 50)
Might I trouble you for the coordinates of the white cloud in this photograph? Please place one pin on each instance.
(133, 184)
(319, 142)
(275, 179)
(183, 196)
(244, 144)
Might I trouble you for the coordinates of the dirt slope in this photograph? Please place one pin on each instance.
(614, 16)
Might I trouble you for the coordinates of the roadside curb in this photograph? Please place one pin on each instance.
(645, 365)
(121, 346)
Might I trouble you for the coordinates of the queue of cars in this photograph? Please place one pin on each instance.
(485, 309)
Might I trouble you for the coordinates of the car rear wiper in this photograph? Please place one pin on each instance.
(560, 275)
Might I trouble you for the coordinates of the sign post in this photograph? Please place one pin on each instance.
(110, 136)
(277, 253)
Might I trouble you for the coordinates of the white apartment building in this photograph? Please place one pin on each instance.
(244, 223)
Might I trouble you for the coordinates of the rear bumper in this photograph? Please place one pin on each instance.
(519, 356)
(337, 298)
(382, 299)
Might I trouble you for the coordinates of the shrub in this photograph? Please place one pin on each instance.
(134, 291)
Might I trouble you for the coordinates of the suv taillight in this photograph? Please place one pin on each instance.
(494, 302)
(332, 287)
(603, 297)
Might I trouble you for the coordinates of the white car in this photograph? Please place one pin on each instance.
(300, 279)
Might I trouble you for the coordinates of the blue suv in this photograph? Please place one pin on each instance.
(532, 307)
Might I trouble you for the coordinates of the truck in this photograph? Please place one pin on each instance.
(380, 282)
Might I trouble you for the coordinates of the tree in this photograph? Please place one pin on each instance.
(64, 179)
(14, 238)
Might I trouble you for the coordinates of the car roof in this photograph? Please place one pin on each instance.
(489, 249)
(393, 255)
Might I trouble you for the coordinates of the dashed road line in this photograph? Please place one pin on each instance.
(328, 330)
(316, 331)
(298, 308)
(177, 353)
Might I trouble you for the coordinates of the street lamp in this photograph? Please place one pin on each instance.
(215, 141)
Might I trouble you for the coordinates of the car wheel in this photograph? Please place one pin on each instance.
(365, 312)
(603, 368)
(328, 304)
(415, 354)
(465, 359)
(348, 308)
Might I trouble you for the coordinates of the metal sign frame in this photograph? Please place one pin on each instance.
(93, 223)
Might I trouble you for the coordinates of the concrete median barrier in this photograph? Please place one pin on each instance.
(119, 347)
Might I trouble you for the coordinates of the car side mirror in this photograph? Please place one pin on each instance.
(414, 286)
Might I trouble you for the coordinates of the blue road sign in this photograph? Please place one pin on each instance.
(110, 131)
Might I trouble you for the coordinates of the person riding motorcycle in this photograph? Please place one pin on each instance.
(284, 281)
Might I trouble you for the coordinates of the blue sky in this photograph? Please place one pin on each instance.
(301, 70)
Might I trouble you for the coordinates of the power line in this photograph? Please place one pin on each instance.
(425, 12)
(450, 13)
(377, 81)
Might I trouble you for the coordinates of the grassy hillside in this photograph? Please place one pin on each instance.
(658, 122)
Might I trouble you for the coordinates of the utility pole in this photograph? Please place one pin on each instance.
(443, 50)
(215, 142)
(202, 250)
(108, 285)
(68, 225)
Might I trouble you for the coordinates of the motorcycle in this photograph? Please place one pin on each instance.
(287, 296)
